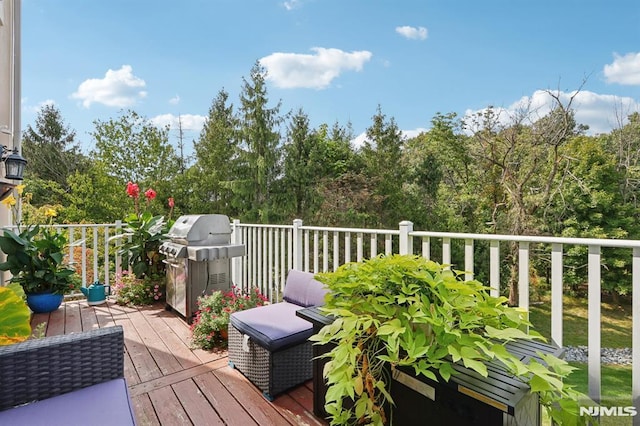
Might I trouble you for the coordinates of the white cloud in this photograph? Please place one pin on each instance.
(359, 140)
(188, 122)
(316, 71)
(292, 4)
(175, 100)
(624, 69)
(36, 108)
(119, 88)
(601, 113)
(412, 33)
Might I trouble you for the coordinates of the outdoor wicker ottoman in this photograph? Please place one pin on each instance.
(269, 344)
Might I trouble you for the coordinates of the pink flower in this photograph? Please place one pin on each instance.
(150, 194)
(171, 202)
(133, 190)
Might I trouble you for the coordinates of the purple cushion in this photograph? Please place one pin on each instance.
(303, 290)
(106, 404)
(274, 326)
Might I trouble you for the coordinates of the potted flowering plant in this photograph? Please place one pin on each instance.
(35, 258)
(211, 322)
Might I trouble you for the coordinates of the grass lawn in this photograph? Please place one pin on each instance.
(616, 333)
(616, 322)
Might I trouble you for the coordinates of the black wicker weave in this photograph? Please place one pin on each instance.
(42, 368)
(271, 372)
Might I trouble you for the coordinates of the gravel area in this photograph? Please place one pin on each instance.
(620, 356)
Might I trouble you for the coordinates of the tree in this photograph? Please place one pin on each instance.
(300, 173)
(522, 160)
(51, 150)
(260, 147)
(216, 153)
(589, 204)
(382, 153)
(130, 148)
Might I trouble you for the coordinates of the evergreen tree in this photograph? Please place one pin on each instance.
(212, 175)
(51, 149)
(259, 160)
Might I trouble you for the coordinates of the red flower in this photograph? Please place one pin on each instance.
(171, 202)
(133, 190)
(150, 194)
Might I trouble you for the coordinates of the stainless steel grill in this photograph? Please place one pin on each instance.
(198, 259)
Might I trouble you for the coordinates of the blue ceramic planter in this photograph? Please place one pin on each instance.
(44, 302)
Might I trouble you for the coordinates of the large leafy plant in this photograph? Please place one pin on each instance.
(409, 311)
(143, 235)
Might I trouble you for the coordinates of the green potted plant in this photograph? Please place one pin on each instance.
(35, 258)
(405, 311)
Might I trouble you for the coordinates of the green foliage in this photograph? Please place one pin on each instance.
(212, 177)
(211, 322)
(131, 148)
(15, 316)
(259, 153)
(35, 258)
(132, 291)
(142, 237)
(52, 151)
(408, 311)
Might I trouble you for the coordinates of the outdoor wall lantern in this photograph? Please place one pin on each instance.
(14, 165)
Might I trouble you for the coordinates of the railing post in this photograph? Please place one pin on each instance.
(406, 240)
(236, 265)
(297, 244)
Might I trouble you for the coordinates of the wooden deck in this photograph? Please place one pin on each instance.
(172, 384)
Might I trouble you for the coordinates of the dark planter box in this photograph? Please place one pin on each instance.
(468, 399)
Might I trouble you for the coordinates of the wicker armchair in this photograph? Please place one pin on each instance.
(67, 375)
(269, 345)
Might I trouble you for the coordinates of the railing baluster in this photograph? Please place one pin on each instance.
(556, 293)
(325, 251)
(84, 256)
(316, 252)
(494, 268)
(359, 247)
(106, 256)
(95, 253)
(336, 250)
(635, 333)
(523, 276)
(347, 247)
(306, 250)
(426, 248)
(388, 244)
(594, 323)
(446, 252)
(468, 259)
(373, 240)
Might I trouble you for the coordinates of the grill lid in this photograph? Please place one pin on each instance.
(201, 229)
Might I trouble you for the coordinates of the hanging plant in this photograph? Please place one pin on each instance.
(408, 311)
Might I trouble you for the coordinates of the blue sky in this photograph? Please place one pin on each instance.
(336, 59)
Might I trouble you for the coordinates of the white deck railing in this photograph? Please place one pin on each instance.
(273, 250)
(91, 251)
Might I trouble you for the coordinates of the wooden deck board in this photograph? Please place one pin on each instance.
(171, 383)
